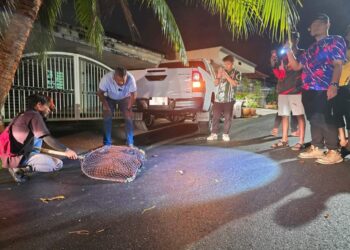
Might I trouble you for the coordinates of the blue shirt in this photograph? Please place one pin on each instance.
(113, 90)
(318, 62)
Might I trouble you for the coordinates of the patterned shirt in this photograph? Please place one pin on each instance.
(318, 62)
(225, 91)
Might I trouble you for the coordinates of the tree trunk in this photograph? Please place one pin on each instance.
(14, 41)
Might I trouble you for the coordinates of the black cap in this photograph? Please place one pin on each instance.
(321, 17)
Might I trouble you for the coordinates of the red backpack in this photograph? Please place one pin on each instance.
(5, 141)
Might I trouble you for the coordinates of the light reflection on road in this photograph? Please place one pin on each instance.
(188, 174)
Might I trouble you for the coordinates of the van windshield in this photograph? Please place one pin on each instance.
(191, 64)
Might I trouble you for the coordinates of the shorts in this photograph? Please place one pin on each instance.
(290, 103)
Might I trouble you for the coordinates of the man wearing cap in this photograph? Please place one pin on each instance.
(289, 93)
(322, 67)
(117, 88)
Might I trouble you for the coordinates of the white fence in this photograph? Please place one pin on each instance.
(70, 79)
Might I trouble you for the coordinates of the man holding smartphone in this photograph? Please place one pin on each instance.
(289, 93)
(117, 87)
(322, 67)
(224, 98)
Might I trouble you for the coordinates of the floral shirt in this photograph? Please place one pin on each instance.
(225, 91)
(318, 62)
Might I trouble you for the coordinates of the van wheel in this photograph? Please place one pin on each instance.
(176, 118)
(148, 120)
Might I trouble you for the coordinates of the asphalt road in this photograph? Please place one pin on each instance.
(189, 195)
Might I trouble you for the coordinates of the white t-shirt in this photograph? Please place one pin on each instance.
(113, 90)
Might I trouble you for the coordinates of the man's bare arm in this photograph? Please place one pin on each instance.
(293, 63)
(338, 66)
(333, 90)
(233, 82)
(101, 96)
(132, 100)
(55, 144)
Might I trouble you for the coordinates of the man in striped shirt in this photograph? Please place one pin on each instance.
(224, 98)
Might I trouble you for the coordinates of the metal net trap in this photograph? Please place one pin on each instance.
(113, 163)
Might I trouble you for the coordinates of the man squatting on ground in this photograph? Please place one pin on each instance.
(117, 87)
(322, 66)
(289, 94)
(224, 98)
(28, 131)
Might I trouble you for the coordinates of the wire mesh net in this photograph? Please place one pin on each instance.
(113, 163)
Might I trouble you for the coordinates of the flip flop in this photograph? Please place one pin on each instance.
(280, 144)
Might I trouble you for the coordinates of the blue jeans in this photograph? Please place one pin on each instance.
(38, 143)
(107, 121)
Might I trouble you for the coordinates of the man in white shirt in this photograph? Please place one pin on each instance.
(117, 87)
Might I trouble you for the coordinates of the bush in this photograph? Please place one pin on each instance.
(241, 95)
(272, 96)
(252, 100)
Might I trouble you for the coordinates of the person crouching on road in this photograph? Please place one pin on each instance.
(119, 86)
(27, 133)
(224, 98)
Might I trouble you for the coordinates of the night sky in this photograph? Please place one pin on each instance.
(200, 29)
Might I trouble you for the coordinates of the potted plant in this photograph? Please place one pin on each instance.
(251, 104)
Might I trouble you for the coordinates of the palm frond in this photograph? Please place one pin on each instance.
(245, 17)
(6, 12)
(42, 36)
(169, 26)
(88, 17)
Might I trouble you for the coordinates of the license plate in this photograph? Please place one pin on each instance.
(159, 101)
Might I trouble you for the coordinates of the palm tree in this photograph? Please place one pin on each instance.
(19, 17)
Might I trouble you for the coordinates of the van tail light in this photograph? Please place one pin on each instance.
(198, 84)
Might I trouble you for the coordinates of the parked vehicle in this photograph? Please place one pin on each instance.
(177, 92)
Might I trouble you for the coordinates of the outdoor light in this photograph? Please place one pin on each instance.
(197, 81)
(196, 84)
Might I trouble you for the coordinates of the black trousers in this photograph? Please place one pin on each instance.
(218, 110)
(342, 107)
(319, 112)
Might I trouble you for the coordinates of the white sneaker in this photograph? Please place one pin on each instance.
(225, 137)
(332, 157)
(212, 137)
(312, 153)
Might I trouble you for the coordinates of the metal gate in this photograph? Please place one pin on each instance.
(70, 79)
